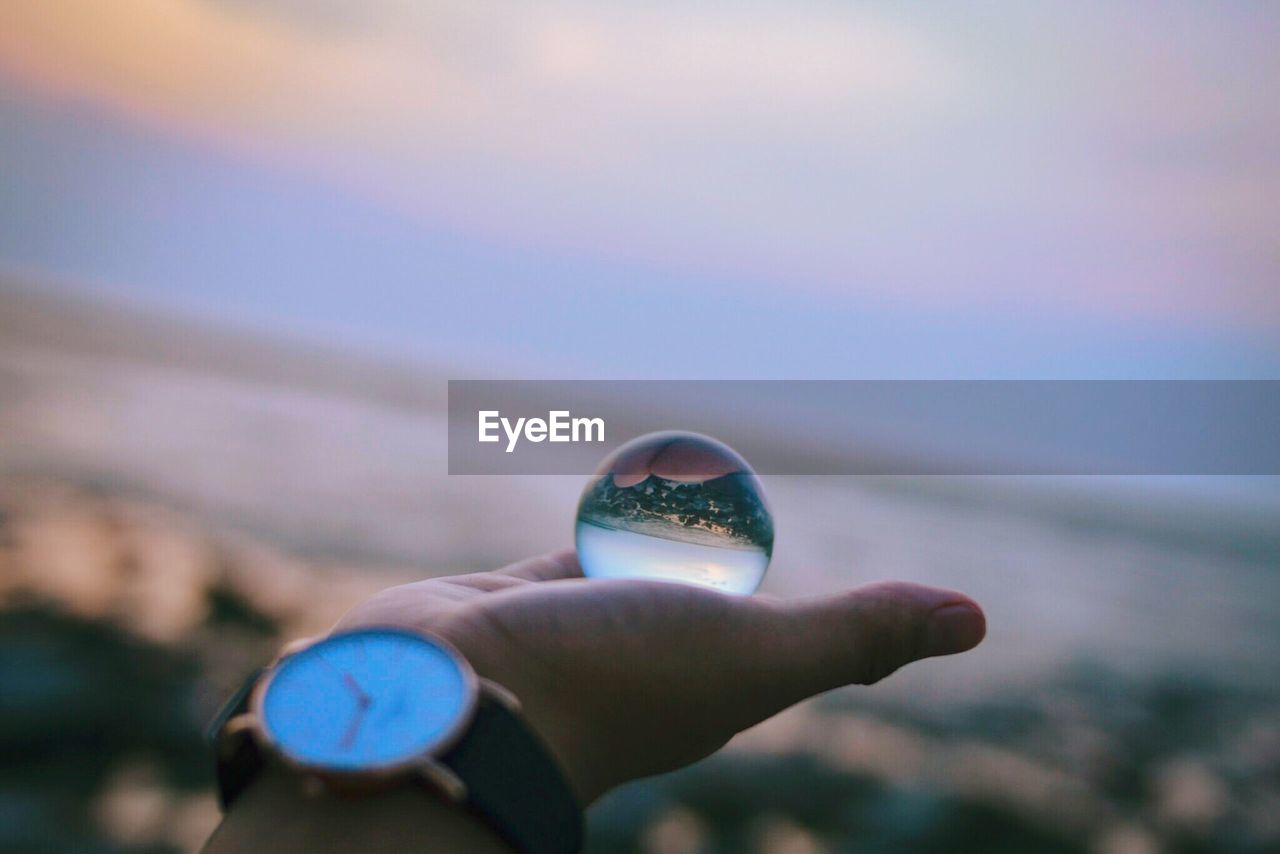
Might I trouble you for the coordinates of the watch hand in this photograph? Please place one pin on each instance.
(361, 697)
(363, 702)
(349, 736)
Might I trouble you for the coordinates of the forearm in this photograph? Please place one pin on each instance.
(274, 815)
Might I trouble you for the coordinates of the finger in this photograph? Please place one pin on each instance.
(632, 465)
(693, 459)
(548, 567)
(680, 458)
(863, 635)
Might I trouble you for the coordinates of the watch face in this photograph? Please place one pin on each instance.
(367, 699)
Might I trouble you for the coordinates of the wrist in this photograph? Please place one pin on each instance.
(278, 812)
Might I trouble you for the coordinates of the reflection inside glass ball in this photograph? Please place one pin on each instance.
(676, 507)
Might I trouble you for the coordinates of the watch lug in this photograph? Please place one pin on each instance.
(239, 725)
(444, 780)
(296, 645)
(501, 694)
(233, 734)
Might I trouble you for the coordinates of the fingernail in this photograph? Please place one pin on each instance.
(953, 628)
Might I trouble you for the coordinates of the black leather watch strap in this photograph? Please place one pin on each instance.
(238, 758)
(515, 783)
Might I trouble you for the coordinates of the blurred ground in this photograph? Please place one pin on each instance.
(173, 507)
(124, 624)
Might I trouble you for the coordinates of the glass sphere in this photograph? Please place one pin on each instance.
(676, 506)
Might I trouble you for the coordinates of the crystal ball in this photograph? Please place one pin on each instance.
(676, 506)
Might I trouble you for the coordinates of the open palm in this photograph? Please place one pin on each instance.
(627, 678)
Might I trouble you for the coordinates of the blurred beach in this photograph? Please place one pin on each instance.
(176, 499)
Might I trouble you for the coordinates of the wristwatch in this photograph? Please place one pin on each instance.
(361, 711)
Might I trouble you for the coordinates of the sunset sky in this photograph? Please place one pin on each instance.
(605, 189)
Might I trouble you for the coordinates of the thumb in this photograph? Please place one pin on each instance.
(863, 635)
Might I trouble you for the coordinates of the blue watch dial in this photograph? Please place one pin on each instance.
(366, 699)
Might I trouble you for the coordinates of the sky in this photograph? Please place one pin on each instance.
(661, 190)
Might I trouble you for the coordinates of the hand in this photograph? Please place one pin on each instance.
(627, 678)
